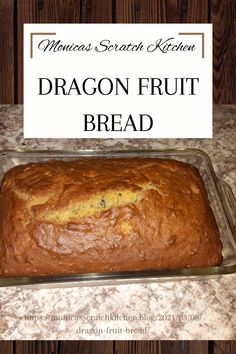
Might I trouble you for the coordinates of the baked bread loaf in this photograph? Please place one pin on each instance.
(105, 215)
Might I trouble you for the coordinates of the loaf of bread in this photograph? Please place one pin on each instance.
(105, 215)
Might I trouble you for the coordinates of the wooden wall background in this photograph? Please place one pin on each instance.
(117, 347)
(13, 13)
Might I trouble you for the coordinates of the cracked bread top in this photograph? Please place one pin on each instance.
(94, 215)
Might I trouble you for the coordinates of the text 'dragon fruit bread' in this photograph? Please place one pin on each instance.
(105, 215)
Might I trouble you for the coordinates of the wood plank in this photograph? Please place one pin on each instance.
(196, 347)
(184, 347)
(223, 17)
(96, 11)
(224, 347)
(141, 11)
(7, 51)
(36, 347)
(194, 11)
(158, 11)
(136, 347)
(170, 11)
(95, 347)
(68, 347)
(54, 11)
(25, 14)
(41, 11)
(24, 347)
(6, 347)
(173, 347)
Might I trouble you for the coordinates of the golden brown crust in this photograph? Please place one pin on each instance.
(97, 215)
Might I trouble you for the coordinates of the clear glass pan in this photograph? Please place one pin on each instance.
(219, 193)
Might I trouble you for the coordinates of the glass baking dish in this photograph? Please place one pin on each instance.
(220, 196)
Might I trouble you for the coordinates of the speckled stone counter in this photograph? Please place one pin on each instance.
(186, 309)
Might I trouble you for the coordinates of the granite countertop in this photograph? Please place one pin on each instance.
(186, 309)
